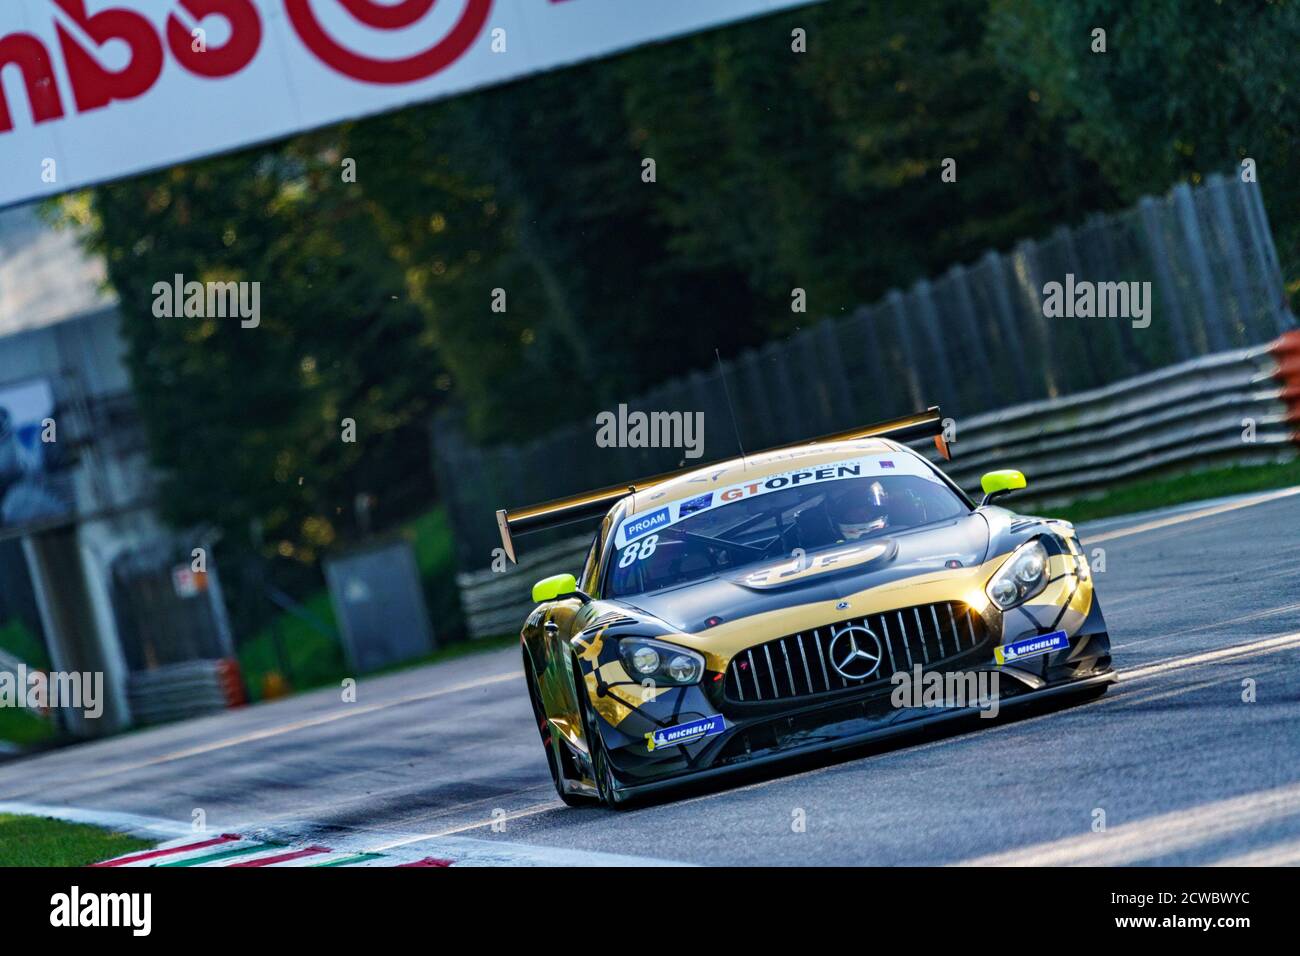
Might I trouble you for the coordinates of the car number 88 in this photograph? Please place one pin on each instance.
(638, 551)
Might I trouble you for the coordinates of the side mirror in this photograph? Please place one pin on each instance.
(557, 586)
(998, 483)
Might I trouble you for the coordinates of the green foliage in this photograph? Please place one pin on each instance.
(24, 728)
(313, 658)
(1183, 90)
(17, 640)
(775, 170)
(296, 649)
(245, 423)
(822, 170)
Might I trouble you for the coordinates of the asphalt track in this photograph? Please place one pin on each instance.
(1199, 599)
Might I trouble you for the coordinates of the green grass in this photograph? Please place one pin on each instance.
(1182, 489)
(38, 841)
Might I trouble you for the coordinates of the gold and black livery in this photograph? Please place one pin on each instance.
(730, 615)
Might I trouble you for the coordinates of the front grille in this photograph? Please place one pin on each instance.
(799, 665)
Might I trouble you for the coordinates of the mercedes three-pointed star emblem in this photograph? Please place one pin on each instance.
(855, 652)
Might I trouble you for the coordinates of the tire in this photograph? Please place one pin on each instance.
(540, 722)
(600, 768)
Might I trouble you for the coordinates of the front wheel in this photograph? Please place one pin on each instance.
(543, 728)
(600, 767)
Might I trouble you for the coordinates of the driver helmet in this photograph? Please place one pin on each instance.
(859, 510)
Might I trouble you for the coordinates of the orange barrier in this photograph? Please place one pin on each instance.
(1286, 350)
(231, 681)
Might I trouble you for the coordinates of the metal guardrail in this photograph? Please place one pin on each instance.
(496, 602)
(1224, 409)
(1182, 418)
(187, 689)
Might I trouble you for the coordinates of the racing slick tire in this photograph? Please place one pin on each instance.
(600, 767)
(573, 800)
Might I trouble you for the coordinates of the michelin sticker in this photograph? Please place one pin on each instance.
(684, 733)
(1031, 647)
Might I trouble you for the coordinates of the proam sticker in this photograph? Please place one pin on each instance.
(644, 524)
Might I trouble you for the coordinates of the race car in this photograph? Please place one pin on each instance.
(794, 601)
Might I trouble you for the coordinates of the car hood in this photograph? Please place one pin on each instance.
(826, 575)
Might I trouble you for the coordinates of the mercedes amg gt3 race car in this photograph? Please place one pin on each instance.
(769, 606)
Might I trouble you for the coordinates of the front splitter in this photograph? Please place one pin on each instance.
(623, 794)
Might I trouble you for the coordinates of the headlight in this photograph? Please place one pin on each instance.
(660, 662)
(683, 669)
(1022, 576)
(645, 660)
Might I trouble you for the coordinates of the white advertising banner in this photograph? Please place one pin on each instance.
(93, 90)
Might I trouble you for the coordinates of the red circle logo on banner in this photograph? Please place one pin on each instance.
(401, 16)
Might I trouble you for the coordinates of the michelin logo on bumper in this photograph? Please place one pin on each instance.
(684, 733)
(1031, 647)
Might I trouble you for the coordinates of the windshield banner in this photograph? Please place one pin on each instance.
(665, 516)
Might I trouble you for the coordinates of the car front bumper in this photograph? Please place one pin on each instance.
(753, 737)
(849, 736)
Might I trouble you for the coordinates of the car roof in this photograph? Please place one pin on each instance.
(722, 474)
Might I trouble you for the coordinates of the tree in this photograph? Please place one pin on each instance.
(247, 423)
(1183, 90)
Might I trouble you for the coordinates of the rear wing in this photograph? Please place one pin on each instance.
(593, 504)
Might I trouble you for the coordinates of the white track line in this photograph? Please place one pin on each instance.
(1189, 516)
(1158, 835)
(1263, 646)
(477, 825)
(1283, 854)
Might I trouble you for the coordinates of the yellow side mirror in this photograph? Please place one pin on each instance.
(997, 483)
(556, 586)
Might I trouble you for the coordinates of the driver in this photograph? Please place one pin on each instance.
(856, 512)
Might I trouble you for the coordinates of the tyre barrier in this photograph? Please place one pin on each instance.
(187, 689)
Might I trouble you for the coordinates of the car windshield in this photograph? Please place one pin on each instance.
(746, 524)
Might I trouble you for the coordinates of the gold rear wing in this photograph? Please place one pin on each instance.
(593, 504)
